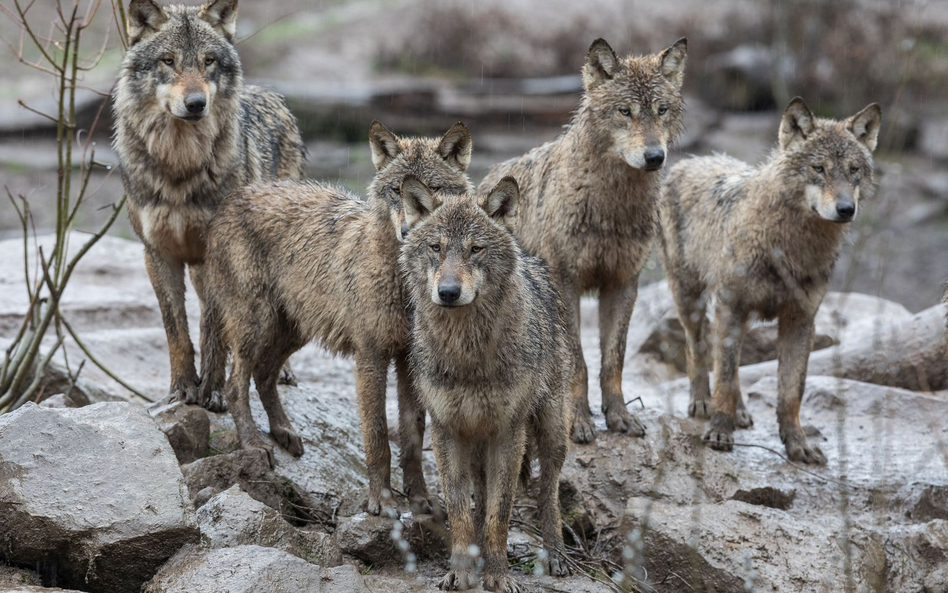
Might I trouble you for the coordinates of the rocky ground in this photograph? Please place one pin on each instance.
(102, 492)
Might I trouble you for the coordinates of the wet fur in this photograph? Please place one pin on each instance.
(751, 241)
(592, 215)
(493, 375)
(177, 172)
(291, 262)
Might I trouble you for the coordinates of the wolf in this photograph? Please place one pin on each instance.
(289, 262)
(590, 205)
(491, 352)
(187, 133)
(762, 240)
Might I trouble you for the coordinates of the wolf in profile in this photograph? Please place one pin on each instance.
(491, 357)
(290, 262)
(187, 133)
(589, 205)
(762, 240)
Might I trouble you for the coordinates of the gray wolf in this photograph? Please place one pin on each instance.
(289, 262)
(491, 356)
(762, 240)
(188, 132)
(590, 200)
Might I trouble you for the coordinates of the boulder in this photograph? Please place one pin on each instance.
(250, 569)
(12, 577)
(732, 544)
(380, 541)
(92, 494)
(232, 518)
(187, 427)
(906, 353)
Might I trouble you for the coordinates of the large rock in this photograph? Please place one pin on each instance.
(656, 330)
(737, 544)
(232, 518)
(187, 427)
(905, 353)
(250, 569)
(93, 494)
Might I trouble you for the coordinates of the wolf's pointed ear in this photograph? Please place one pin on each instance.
(456, 146)
(144, 18)
(601, 64)
(865, 125)
(502, 202)
(222, 15)
(384, 145)
(417, 200)
(673, 62)
(797, 123)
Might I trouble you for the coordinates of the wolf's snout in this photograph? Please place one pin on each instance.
(195, 103)
(654, 158)
(449, 293)
(845, 209)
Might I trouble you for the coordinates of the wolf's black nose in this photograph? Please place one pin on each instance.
(449, 293)
(654, 157)
(845, 210)
(195, 103)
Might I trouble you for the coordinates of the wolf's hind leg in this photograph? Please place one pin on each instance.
(371, 377)
(584, 429)
(551, 446)
(692, 308)
(729, 335)
(502, 459)
(265, 376)
(615, 311)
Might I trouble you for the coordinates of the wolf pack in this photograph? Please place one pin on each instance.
(471, 293)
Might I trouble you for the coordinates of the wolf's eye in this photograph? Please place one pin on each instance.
(434, 189)
(168, 61)
(625, 111)
(435, 247)
(818, 169)
(208, 61)
(853, 170)
(476, 248)
(662, 110)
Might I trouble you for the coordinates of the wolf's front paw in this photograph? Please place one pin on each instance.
(502, 583)
(583, 430)
(184, 389)
(556, 565)
(212, 401)
(258, 442)
(743, 419)
(699, 408)
(381, 505)
(799, 449)
(618, 419)
(288, 439)
(720, 433)
(458, 580)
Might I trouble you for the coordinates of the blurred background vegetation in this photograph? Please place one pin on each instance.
(510, 70)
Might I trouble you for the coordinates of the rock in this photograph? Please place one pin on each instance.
(11, 578)
(232, 518)
(917, 558)
(250, 569)
(739, 543)
(656, 330)
(29, 589)
(380, 541)
(251, 470)
(94, 494)
(740, 79)
(187, 427)
(906, 353)
(933, 141)
(60, 400)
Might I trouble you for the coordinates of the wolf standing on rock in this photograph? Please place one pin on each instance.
(290, 262)
(187, 134)
(490, 352)
(763, 240)
(589, 205)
